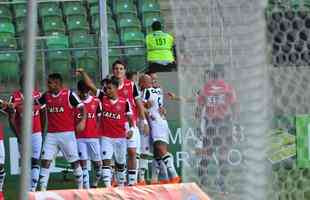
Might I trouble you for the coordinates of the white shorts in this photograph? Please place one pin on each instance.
(89, 148)
(2, 152)
(134, 141)
(36, 142)
(116, 146)
(63, 141)
(160, 131)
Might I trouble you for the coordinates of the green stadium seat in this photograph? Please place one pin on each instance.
(57, 42)
(140, 4)
(7, 30)
(87, 60)
(114, 54)
(81, 40)
(133, 38)
(73, 8)
(53, 25)
(20, 10)
(150, 9)
(113, 38)
(59, 61)
(5, 14)
(20, 26)
(136, 58)
(129, 24)
(9, 66)
(77, 22)
(51, 9)
(7, 43)
(96, 23)
(93, 2)
(94, 10)
(123, 8)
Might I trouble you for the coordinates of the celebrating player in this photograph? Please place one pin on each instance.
(128, 90)
(38, 121)
(60, 103)
(117, 126)
(88, 139)
(153, 100)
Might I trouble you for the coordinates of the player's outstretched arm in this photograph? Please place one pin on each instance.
(173, 97)
(88, 81)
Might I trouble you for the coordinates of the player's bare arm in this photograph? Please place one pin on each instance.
(173, 97)
(82, 123)
(148, 104)
(87, 79)
(141, 109)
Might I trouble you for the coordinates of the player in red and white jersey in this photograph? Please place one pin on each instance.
(88, 139)
(217, 100)
(60, 105)
(15, 121)
(6, 107)
(117, 126)
(128, 90)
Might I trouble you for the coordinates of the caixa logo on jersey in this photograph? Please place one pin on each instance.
(89, 115)
(111, 115)
(56, 109)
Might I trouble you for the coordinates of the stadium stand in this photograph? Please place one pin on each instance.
(76, 24)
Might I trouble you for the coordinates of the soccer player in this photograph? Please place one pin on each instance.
(117, 128)
(38, 121)
(60, 105)
(7, 108)
(128, 90)
(88, 139)
(153, 100)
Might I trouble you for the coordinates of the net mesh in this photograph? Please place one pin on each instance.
(231, 34)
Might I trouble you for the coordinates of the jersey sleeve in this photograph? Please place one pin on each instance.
(128, 110)
(74, 100)
(99, 109)
(100, 93)
(41, 101)
(135, 92)
(11, 99)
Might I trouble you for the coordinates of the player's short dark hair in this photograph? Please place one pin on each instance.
(129, 75)
(81, 86)
(149, 72)
(156, 26)
(55, 76)
(119, 62)
(113, 81)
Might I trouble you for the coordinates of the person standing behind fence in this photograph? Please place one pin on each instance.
(160, 50)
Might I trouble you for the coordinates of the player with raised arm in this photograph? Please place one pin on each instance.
(38, 122)
(153, 100)
(88, 139)
(60, 106)
(117, 128)
(128, 90)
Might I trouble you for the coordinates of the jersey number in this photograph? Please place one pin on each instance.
(160, 41)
